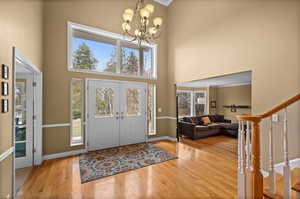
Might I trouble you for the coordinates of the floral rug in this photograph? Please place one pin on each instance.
(107, 162)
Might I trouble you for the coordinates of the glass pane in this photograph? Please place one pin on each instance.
(130, 61)
(20, 105)
(184, 103)
(200, 102)
(20, 133)
(94, 55)
(151, 109)
(20, 149)
(133, 102)
(104, 102)
(77, 114)
(147, 70)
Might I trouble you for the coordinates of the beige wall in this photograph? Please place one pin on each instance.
(212, 38)
(103, 14)
(21, 26)
(237, 95)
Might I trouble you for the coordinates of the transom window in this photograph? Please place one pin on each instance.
(97, 51)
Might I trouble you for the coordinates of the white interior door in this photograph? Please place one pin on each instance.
(23, 120)
(103, 114)
(133, 120)
(116, 113)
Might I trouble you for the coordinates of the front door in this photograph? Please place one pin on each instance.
(103, 114)
(133, 113)
(116, 113)
(23, 120)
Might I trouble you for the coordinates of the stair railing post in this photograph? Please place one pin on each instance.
(286, 167)
(272, 176)
(241, 189)
(248, 147)
(254, 176)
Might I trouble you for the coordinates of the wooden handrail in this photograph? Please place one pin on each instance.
(271, 112)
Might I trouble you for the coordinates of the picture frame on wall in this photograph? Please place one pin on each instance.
(4, 105)
(5, 71)
(213, 104)
(4, 88)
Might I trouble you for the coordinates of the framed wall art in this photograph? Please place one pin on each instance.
(5, 71)
(4, 105)
(4, 88)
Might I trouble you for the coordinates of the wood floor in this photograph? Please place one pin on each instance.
(205, 168)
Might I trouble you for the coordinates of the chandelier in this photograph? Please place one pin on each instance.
(138, 23)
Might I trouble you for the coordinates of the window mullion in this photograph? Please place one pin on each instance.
(119, 56)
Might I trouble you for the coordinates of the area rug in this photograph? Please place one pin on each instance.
(107, 162)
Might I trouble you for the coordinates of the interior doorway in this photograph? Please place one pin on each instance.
(116, 113)
(27, 117)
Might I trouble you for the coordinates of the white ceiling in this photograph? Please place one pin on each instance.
(164, 2)
(243, 78)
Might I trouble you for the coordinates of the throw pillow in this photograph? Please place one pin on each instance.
(206, 120)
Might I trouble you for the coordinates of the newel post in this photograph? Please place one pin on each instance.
(255, 178)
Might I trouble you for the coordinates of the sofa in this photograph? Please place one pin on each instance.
(194, 127)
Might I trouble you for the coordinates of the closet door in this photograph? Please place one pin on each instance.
(133, 117)
(103, 114)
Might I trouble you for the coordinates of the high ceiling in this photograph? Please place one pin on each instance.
(164, 2)
(243, 78)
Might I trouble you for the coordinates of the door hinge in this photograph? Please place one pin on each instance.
(87, 143)
(34, 150)
(34, 84)
(34, 117)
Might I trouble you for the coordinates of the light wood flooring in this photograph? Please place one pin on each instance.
(205, 168)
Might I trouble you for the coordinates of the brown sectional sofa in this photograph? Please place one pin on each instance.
(194, 128)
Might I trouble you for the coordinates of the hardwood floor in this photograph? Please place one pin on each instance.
(205, 168)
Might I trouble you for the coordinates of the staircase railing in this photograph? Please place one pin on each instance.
(250, 178)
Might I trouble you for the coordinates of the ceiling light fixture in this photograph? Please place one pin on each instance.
(138, 23)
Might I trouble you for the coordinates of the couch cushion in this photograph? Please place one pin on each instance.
(214, 125)
(205, 120)
(202, 128)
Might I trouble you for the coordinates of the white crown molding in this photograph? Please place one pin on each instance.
(164, 2)
(232, 85)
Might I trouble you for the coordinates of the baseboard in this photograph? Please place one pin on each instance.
(64, 154)
(295, 163)
(161, 138)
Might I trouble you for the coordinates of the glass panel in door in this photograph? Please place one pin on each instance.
(20, 118)
(133, 102)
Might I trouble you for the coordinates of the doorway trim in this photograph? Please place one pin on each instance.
(86, 98)
(37, 107)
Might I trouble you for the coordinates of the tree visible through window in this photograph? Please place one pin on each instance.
(133, 102)
(77, 111)
(184, 103)
(104, 102)
(93, 52)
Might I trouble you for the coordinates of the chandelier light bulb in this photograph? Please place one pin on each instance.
(144, 13)
(137, 33)
(152, 30)
(129, 11)
(126, 27)
(150, 8)
(127, 17)
(157, 21)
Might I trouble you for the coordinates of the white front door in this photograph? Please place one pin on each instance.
(103, 111)
(133, 120)
(23, 120)
(116, 113)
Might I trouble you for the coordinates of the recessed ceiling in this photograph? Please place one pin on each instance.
(164, 2)
(243, 78)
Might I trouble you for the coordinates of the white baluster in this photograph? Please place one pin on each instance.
(286, 167)
(272, 176)
(248, 147)
(241, 165)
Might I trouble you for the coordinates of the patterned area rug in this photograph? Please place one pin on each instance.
(107, 162)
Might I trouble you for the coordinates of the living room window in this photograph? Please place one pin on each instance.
(76, 112)
(96, 51)
(191, 103)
